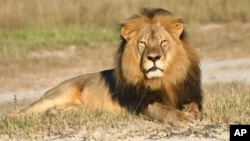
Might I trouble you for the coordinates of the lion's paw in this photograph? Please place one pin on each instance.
(181, 119)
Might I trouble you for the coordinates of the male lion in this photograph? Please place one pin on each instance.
(156, 73)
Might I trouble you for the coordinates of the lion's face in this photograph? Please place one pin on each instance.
(152, 50)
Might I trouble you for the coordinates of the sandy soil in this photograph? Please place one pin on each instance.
(30, 83)
(226, 70)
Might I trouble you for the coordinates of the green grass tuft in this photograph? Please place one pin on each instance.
(29, 39)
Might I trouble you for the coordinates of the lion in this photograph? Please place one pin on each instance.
(156, 73)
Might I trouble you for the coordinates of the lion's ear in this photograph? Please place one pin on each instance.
(125, 32)
(128, 31)
(178, 28)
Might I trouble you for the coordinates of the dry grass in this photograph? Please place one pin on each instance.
(227, 102)
(55, 13)
(38, 126)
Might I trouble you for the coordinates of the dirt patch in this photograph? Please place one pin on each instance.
(226, 70)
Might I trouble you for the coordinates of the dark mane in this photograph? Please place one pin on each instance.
(134, 98)
(152, 12)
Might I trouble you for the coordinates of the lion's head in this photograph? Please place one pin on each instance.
(154, 50)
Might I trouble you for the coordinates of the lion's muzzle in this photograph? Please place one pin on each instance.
(152, 66)
(154, 72)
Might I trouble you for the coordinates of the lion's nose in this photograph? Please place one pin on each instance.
(153, 58)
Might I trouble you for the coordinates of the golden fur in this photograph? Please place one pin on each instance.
(156, 73)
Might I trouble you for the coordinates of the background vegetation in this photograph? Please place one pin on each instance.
(27, 25)
(107, 13)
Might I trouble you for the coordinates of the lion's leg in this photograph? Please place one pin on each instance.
(169, 115)
(53, 99)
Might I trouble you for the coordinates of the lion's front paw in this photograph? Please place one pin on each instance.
(181, 119)
(193, 109)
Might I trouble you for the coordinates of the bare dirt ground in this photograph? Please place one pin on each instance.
(226, 70)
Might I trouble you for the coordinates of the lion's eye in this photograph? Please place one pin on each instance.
(163, 42)
(142, 43)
